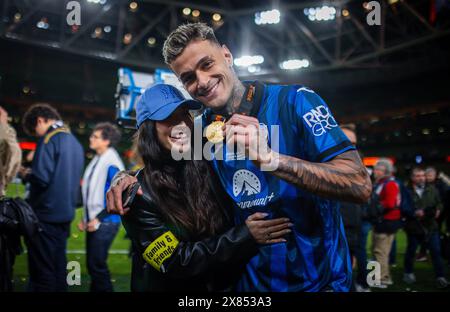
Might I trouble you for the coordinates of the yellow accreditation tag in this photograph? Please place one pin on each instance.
(160, 250)
(214, 132)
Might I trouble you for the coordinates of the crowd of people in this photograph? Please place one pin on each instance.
(54, 192)
(214, 225)
(419, 206)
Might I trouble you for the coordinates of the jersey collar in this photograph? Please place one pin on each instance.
(250, 102)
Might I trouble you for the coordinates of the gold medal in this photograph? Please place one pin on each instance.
(214, 132)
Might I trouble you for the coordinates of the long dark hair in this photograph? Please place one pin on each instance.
(185, 191)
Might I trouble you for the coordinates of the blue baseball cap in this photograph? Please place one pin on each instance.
(160, 101)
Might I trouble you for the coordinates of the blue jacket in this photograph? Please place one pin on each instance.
(56, 173)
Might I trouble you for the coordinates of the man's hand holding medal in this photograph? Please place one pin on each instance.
(247, 134)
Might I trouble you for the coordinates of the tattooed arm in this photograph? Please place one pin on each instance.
(343, 178)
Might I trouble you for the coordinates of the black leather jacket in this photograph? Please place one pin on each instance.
(207, 264)
(17, 219)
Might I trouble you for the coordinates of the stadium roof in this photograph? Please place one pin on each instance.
(132, 32)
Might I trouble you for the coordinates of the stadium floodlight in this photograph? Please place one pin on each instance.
(17, 17)
(102, 2)
(133, 6)
(43, 23)
(97, 32)
(253, 69)
(248, 60)
(267, 17)
(127, 38)
(294, 64)
(323, 13)
(151, 41)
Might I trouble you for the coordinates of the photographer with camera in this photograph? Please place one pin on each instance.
(423, 227)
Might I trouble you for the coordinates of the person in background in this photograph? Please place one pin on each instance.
(10, 158)
(393, 252)
(388, 193)
(431, 178)
(54, 188)
(101, 227)
(424, 228)
(352, 219)
(444, 189)
(10, 153)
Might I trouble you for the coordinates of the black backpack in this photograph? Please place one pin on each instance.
(407, 203)
(374, 210)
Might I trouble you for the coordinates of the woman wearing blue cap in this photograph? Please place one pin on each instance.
(179, 224)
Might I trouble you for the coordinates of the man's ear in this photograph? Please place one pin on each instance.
(227, 54)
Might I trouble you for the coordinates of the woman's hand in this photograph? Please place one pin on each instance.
(93, 225)
(24, 172)
(114, 195)
(268, 231)
(81, 226)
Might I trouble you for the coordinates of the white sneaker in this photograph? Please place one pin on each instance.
(409, 278)
(360, 288)
(388, 282)
(381, 286)
(441, 283)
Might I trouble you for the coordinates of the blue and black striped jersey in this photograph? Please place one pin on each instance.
(315, 256)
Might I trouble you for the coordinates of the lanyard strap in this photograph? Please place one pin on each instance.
(249, 106)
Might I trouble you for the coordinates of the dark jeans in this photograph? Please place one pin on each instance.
(97, 246)
(423, 249)
(361, 254)
(433, 244)
(393, 253)
(47, 258)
